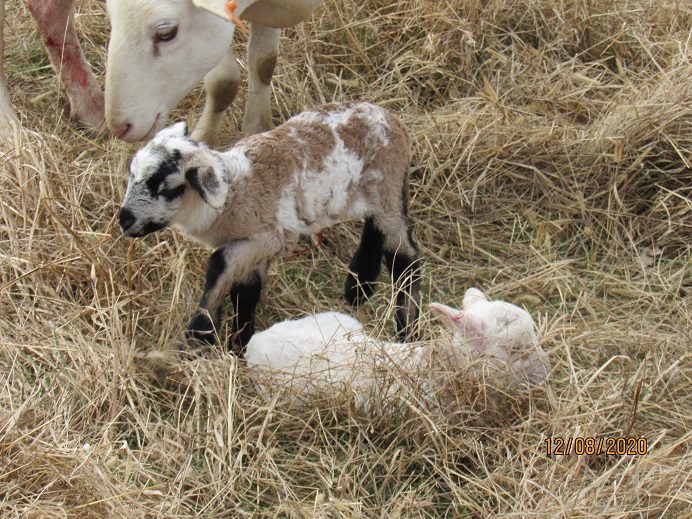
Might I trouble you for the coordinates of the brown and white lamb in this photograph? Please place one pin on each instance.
(252, 203)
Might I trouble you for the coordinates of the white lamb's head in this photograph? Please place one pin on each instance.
(494, 337)
(171, 179)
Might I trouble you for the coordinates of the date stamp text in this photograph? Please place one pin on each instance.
(610, 446)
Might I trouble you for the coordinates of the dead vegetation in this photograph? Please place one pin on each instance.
(552, 167)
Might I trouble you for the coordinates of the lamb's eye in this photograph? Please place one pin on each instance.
(172, 193)
(165, 32)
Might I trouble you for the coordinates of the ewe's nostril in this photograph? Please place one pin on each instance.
(127, 219)
(120, 131)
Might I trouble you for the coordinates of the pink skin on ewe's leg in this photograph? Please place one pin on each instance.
(55, 24)
(7, 113)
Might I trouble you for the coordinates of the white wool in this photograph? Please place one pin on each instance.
(330, 351)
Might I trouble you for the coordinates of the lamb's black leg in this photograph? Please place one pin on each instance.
(242, 261)
(403, 265)
(205, 323)
(365, 265)
(245, 297)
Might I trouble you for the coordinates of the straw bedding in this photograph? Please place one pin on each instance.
(552, 168)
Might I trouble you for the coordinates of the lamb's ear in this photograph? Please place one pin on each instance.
(209, 183)
(174, 130)
(473, 295)
(448, 315)
(459, 321)
(180, 129)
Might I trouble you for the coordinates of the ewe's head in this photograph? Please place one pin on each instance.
(492, 328)
(171, 180)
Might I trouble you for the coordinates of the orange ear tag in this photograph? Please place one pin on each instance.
(230, 10)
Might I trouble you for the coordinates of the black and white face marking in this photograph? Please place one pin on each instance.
(157, 182)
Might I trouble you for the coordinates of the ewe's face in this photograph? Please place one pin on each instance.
(157, 183)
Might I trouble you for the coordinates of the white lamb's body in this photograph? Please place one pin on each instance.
(301, 343)
(493, 342)
(330, 354)
(253, 202)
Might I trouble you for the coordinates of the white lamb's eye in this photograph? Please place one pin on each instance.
(166, 32)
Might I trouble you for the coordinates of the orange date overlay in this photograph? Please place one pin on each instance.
(610, 446)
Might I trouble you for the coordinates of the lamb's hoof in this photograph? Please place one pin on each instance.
(407, 326)
(198, 344)
(237, 344)
(195, 348)
(357, 292)
(200, 338)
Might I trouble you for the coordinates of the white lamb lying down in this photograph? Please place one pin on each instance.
(492, 342)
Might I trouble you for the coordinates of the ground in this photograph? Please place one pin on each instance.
(552, 165)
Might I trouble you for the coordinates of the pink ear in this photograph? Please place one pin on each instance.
(448, 315)
(459, 321)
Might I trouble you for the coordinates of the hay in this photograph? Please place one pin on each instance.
(551, 167)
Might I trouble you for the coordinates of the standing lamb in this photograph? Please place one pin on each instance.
(252, 203)
(493, 343)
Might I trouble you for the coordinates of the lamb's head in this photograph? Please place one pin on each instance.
(173, 181)
(492, 338)
(486, 326)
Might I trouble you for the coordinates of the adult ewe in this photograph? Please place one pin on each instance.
(159, 51)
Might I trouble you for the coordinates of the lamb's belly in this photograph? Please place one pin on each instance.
(325, 213)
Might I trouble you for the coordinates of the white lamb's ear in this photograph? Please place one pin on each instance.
(448, 315)
(179, 129)
(209, 183)
(470, 326)
(472, 296)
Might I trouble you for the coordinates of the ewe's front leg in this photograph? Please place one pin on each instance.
(240, 269)
(221, 86)
(262, 52)
(7, 114)
(55, 24)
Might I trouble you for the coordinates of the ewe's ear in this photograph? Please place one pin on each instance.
(208, 183)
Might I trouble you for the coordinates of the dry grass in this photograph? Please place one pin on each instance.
(552, 167)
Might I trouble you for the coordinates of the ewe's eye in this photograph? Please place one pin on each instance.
(165, 32)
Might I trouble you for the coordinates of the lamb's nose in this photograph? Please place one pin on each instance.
(127, 219)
